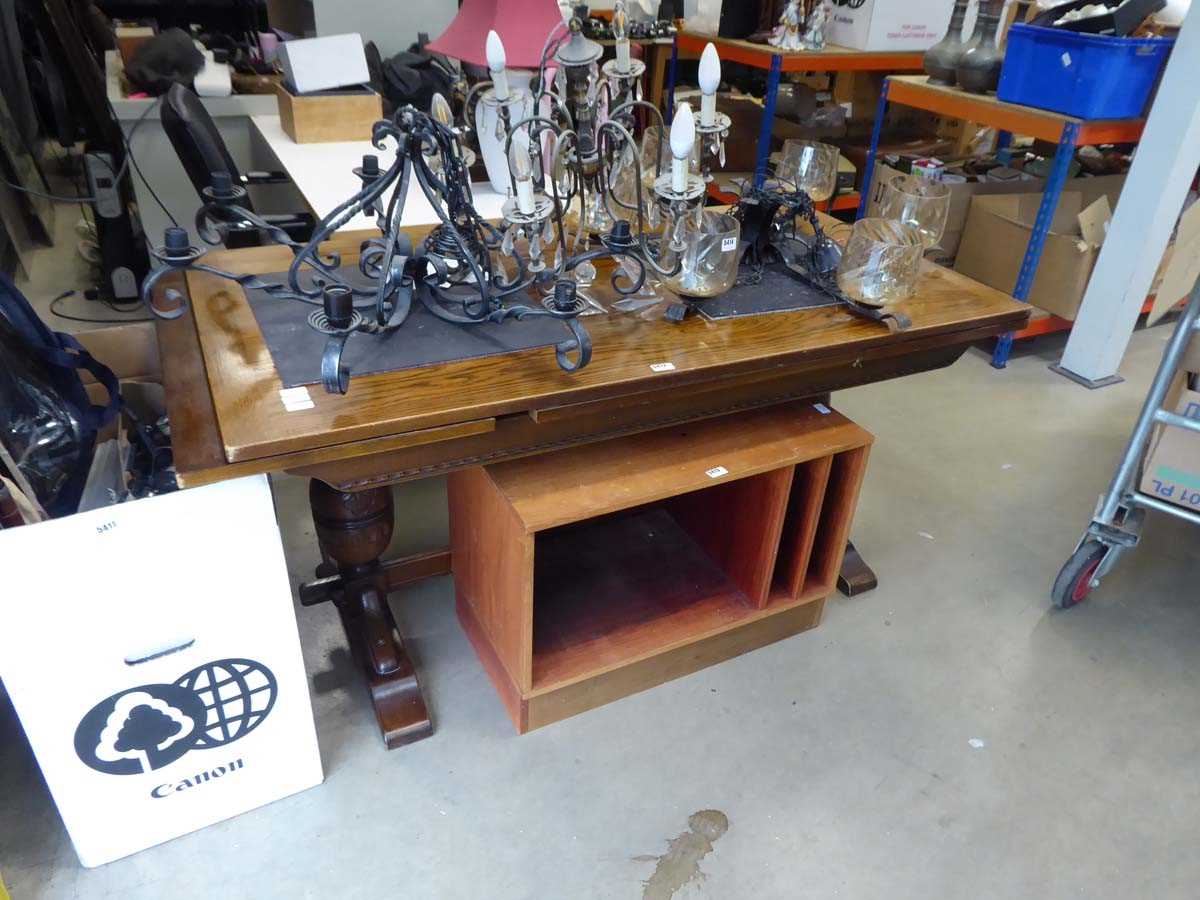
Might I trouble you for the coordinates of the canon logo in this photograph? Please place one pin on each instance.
(165, 790)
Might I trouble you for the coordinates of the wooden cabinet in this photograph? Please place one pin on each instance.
(597, 571)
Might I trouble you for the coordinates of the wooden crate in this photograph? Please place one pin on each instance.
(598, 571)
(346, 115)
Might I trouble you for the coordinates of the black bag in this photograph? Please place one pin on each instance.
(407, 78)
(168, 58)
(47, 421)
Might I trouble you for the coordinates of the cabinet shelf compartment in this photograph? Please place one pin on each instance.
(598, 571)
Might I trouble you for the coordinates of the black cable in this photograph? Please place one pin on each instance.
(117, 176)
(146, 182)
(54, 308)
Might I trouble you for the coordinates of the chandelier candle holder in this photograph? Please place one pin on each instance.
(624, 74)
(713, 127)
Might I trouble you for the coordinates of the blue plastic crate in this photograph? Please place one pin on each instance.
(1089, 76)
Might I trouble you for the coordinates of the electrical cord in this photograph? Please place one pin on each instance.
(117, 176)
(54, 308)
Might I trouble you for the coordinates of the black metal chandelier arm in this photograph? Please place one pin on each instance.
(464, 250)
(562, 140)
(276, 289)
(627, 141)
(633, 285)
(241, 214)
(650, 257)
(393, 241)
(335, 377)
(580, 342)
(310, 255)
(581, 345)
(148, 284)
(403, 291)
(431, 294)
(207, 223)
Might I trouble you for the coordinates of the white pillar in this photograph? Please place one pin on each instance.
(1163, 169)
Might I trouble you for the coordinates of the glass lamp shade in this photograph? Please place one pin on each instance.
(920, 202)
(811, 167)
(881, 261)
(709, 255)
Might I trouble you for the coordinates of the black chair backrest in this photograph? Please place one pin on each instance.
(196, 140)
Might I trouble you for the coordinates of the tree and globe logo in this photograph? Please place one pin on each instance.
(147, 727)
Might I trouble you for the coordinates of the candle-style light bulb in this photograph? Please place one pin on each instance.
(439, 108)
(710, 80)
(496, 62)
(522, 170)
(621, 33)
(683, 138)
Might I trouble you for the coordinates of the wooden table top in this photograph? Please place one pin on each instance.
(228, 417)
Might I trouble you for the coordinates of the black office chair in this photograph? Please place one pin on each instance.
(202, 151)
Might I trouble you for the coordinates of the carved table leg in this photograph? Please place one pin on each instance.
(354, 529)
(856, 576)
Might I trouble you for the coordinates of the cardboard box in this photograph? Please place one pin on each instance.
(994, 241)
(914, 25)
(1172, 471)
(329, 116)
(185, 701)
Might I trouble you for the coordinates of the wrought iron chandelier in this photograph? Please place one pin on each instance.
(569, 155)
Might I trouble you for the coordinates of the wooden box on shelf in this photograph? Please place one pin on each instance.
(598, 571)
(347, 114)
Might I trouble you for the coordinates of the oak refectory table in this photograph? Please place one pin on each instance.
(228, 418)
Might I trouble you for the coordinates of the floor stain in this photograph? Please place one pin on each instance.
(680, 865)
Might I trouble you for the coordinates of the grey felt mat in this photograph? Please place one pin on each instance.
(778, 291)
(423, 340)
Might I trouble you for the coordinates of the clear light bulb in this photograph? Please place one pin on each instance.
(496, 65)
(522, 170)
(439, 108)
(621, 33)
(683, 137)
(710, 80)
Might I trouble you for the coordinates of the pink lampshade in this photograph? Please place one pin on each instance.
(523, 26)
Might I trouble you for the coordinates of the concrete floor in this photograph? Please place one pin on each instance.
(944, 736)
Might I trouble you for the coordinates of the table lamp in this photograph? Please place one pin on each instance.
(522, 26)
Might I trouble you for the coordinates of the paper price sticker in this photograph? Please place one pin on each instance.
(296, 399)
(717, 472)
(662, 367)
(729, 243)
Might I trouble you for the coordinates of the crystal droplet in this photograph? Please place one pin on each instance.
(721, 154)
(535, 246)
(652, 215)
(499, 128)
(585, 272)
(680, 229)
(558, 259)
(548, 230)
(506, 245)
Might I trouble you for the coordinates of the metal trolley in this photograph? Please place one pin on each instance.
(1118, 522)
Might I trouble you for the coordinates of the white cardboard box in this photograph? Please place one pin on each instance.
(905, 25)
(152, 655)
